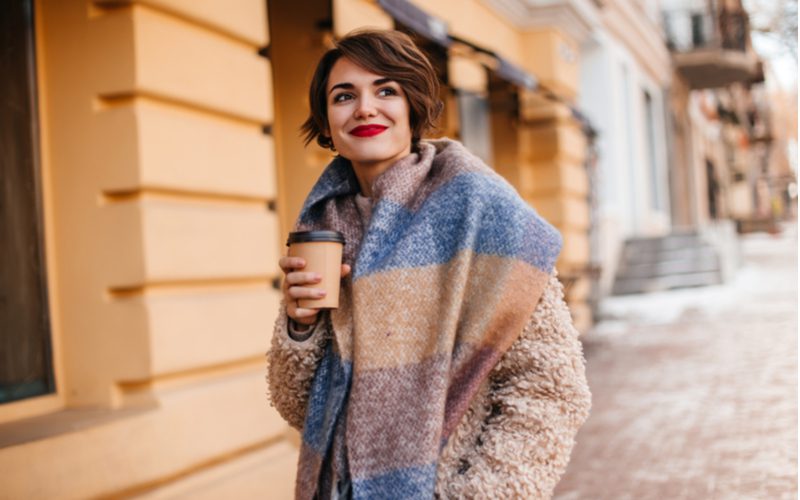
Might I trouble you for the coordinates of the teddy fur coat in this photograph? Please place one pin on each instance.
(515, 439)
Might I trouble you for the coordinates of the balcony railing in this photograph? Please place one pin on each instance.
(711, 47)
(690, 30)
(734, 28)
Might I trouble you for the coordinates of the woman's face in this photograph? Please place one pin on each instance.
(368, 115)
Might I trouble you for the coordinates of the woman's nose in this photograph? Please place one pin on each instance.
(365, 108)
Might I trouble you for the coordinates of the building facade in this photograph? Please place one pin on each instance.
(157, 146)
(714, 114)
(625, 79)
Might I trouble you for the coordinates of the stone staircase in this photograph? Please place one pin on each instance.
(678, 260)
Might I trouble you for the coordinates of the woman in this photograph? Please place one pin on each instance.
(451, 368)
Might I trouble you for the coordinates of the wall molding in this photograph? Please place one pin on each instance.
(577, 18)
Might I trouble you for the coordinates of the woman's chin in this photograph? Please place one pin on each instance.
(366, 157)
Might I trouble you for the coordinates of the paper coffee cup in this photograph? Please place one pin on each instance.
(322, 251)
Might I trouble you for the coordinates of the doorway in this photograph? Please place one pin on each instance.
(300, 33)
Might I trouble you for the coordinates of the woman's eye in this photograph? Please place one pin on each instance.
(387, 91)
(341, 97)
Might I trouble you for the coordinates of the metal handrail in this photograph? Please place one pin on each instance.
(689, 30)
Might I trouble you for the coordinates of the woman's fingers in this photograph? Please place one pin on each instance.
(288, 263)
(302, 315)
(296, 287)
(302, 278)
(294, 290)
(301, 292)
(304, 312)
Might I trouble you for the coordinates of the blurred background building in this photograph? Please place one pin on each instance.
(151, 168)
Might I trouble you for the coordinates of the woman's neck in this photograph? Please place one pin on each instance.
(367, 172)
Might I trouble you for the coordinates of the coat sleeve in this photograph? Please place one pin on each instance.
(291, 365)
(516, 439)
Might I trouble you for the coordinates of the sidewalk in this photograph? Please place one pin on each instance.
(695, 391)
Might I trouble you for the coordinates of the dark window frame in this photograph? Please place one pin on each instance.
(25, 326)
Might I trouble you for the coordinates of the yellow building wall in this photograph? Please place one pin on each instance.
(349, 15)
(477, 23)
(161, 249)
(552, 56)
(551, 156)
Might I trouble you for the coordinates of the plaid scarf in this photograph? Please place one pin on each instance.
(445, 276)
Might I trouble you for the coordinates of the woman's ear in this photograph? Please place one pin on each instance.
(326, 133)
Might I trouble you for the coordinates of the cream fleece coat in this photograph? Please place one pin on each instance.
(516, 438)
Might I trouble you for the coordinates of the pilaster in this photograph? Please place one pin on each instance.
(552, 151)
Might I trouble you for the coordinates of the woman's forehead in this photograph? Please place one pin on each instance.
(346, 71)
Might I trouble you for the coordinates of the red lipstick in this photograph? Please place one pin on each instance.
(367, 130)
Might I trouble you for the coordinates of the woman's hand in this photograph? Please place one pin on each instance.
(297, 285)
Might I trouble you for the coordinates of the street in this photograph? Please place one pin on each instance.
(695, 390)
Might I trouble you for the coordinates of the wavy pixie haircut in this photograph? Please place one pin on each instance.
(388, 53)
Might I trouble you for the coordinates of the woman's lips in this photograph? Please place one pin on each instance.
(367, 130)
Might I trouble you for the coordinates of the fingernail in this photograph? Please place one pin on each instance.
(320, 293)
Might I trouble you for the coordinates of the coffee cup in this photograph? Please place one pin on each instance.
(322, 251)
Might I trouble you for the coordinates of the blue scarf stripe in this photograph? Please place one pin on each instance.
(400, 484)
(337, 180)
(328, 393)
(504, 225)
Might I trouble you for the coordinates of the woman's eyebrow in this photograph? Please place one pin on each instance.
(348, 85)
(344, 85)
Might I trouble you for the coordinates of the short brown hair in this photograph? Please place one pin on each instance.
(383, 52)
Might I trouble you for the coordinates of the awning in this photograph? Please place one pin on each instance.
(586, 125)
(502, 67)
(418, 20)
(515, 74)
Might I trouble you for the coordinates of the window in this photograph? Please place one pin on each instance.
(699, 38)
(652, 159)
(474, 123)
(25, 357)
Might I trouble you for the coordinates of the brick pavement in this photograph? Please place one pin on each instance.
(695, 391)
